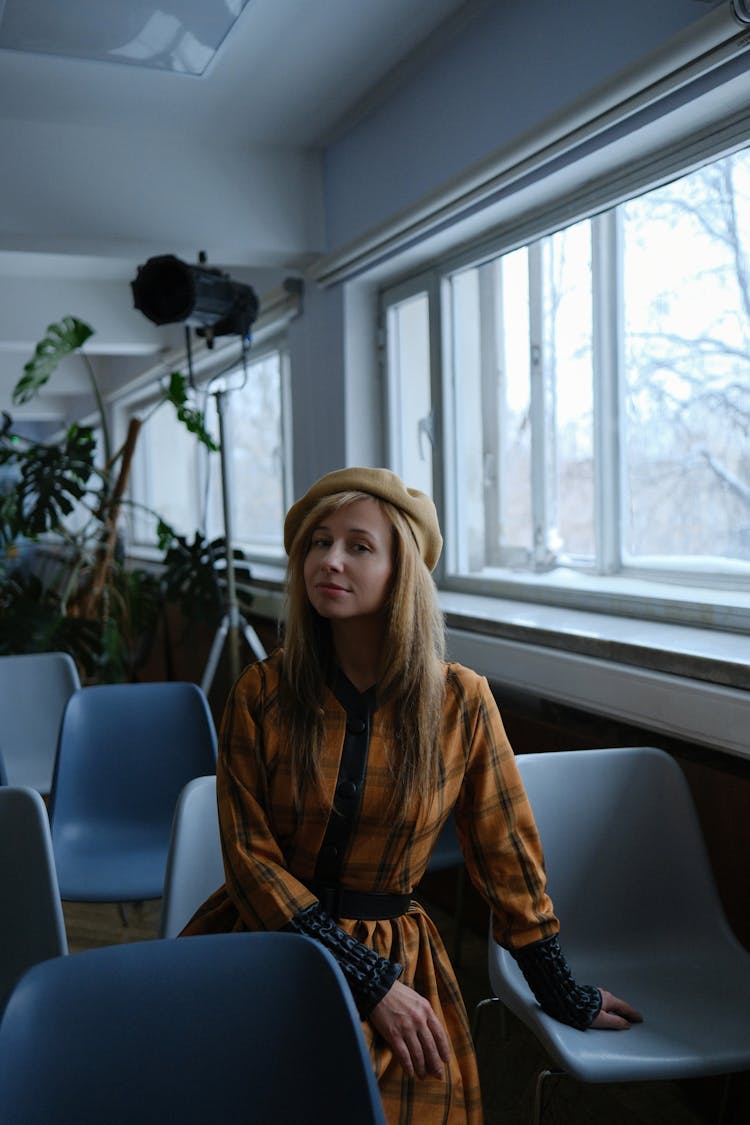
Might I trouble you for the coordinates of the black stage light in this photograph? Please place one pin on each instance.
(169, 291)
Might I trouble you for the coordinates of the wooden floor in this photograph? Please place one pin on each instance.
(508, 1065)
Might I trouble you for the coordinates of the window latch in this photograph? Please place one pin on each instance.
(426, 428)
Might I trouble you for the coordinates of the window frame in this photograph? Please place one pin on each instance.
(653, 590)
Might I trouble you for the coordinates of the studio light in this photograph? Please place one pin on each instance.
(169, 291)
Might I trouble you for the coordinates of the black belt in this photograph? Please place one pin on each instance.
(341, 903)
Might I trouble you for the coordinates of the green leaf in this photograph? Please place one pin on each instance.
(53, 478)
(165, 535)
(192, 573)
(62, 338)
(193, 419)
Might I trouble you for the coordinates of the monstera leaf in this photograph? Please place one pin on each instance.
(33, 620)
(67, 336)
(53, 478)
(192, 573)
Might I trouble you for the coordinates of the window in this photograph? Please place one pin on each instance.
(412, 430)
(595, 394)
(175, 477)
(255, 464)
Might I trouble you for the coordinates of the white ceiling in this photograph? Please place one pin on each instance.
(105, 165)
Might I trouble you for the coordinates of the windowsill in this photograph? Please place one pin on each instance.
(688, 683)
(680, 650)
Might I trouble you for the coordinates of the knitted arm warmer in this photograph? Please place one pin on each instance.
(368, 975)
(550, 979)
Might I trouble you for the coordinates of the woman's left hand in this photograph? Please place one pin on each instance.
(615, 1014)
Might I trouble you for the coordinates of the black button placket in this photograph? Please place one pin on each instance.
(348, 791)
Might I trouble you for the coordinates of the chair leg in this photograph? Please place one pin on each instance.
(475, 1022)
(541, 1078)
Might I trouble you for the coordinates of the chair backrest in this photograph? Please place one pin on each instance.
(32, 927)
(34, 689)
(259, 1028)
(125, 753)
(623, 846)
(447, 851)
(194, 864)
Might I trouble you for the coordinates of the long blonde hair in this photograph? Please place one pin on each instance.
(410, 673)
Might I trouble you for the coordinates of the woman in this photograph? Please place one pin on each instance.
(341, 756)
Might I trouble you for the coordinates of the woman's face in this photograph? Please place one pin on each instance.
(349, 565)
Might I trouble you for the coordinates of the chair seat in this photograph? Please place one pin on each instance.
(674, 992)
(134, 864)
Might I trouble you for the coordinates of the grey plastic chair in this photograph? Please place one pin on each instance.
(32, 927)
(640, 915)
(226, 1027)
(34, 689)
(194, 864)
(125, 753)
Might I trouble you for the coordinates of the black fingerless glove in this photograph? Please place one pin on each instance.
(550, 979)
(368, 975)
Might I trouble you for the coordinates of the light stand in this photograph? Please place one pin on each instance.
(232, 621)
(167, 291)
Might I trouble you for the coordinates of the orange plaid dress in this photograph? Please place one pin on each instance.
(269, 853)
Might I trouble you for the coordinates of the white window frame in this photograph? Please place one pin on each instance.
(651, 589)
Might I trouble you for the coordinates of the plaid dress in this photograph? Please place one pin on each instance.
(269, 854)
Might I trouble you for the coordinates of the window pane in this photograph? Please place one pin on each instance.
(489, 311)
(471, 546)
(165, 476)
(408, 332)
(568, 353)
(255, 462)
(687, 379)
(514, 429)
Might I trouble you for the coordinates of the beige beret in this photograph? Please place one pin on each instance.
(416, 506)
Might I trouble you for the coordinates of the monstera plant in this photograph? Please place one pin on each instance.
(62, 500)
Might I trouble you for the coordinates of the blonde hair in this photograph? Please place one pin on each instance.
(411, 671)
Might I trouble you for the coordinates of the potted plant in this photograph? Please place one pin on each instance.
(62, 500)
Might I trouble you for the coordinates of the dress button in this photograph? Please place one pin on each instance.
(356, 726)
(347, 788)
(330, 851)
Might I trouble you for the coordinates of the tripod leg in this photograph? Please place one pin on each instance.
(253, 640)
(213, 657)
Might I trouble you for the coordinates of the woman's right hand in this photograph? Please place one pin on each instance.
(407, 1022)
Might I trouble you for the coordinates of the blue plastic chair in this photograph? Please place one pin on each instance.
(258, 1028)
(3, 773)
(125, 753)
(34, 689)
(195, 867)
(640, 914)
(32, 927)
